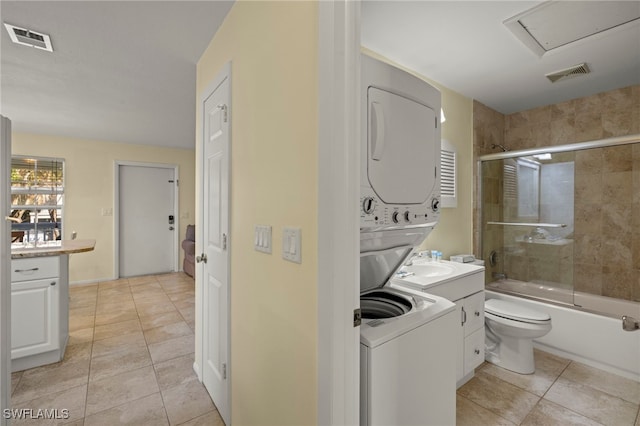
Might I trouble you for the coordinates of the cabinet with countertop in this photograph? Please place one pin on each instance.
(462, 284)
(40, 303)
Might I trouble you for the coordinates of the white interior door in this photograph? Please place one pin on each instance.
(5, 267)
(146, 236)
(216, 242)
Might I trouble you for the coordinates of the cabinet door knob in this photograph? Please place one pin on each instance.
(477, 313)
(53, 283)
(477, 351)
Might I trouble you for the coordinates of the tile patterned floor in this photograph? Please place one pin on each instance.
(129, 359)
(130, 356)
(560, 392)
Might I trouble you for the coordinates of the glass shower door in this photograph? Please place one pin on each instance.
(527, 209)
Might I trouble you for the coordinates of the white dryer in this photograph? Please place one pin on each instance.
(400, 151)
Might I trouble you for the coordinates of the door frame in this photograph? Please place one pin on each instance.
(116, 210)
(5, 274)
(338, 282)
(223, 74)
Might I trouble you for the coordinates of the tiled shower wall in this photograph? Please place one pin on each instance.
(607, 181)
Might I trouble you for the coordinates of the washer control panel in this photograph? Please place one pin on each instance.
(376, 214)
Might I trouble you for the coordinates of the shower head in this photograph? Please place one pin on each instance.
(497, 145)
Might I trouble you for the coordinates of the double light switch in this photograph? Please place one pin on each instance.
(262, 238)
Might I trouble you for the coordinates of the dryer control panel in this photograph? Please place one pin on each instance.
(375, 214)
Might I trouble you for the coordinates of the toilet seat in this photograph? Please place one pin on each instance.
(515, 312)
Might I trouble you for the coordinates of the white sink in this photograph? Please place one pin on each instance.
(451, 280)
(429, 269)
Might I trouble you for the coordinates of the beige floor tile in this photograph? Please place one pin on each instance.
(81, 322)
(548, 368)
(468, 413)
(143, 279)
(79, 352)
(212, 418)
(179, 287)
(592, 403)
(41, 381)
(638, 419)
(83, 335)
(182, 295)
(112, 284)
(117, 328)
(83, 289)
(126, 359)
(147, 309)
(118, 343)
(15, 379)
(546, 413)
(156, 320)
(68, 403)
(166, 332)
(144, 411)
(124, 303)
(116, 390)
(173, 348)
(82, 300)
(175, 372)
(117, 316)
(83, 311)
(189, 314)
(185, 304)
(623, 388)
(186, 401)
(153, 285)
(121, 290)
(142, 299)
(498, 396)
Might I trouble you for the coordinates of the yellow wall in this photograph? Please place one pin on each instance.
(89, 187)
(454, 232)
(273, 51)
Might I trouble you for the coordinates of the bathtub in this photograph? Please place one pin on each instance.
(592, 339)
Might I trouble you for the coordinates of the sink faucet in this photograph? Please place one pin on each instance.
(412, 257)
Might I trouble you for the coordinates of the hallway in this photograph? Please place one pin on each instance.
(129, 359)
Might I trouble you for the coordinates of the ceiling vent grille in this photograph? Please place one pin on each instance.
(573, 71)
(29, 38)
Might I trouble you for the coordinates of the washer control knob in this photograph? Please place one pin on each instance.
(435, 204)
(368, 205)
(395, 217)
(407, 216)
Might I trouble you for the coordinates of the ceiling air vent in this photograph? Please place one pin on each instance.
(573, 71)
(29, 38)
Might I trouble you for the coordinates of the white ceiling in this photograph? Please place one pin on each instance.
(124, 71)
(120, 71)
(464, 46)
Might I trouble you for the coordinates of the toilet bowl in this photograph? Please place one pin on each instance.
(510, 329)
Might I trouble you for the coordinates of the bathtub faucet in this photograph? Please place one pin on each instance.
(630, 323)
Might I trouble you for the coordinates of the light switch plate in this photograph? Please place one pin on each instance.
(262, 238)
(291, 245)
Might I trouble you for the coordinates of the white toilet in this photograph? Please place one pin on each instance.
(510, 329)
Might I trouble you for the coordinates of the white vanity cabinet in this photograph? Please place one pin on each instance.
(462, 284)
(39, 310)
(470, 336)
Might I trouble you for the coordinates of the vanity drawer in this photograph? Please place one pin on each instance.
(34, 268)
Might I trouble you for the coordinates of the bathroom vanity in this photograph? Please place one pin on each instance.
(462, 284)
(40, 302)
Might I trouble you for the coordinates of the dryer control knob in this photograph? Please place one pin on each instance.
(368, 205)
(395, 217)
(407, 216)
(435, 204)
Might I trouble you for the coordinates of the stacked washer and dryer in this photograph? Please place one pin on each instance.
(407, 338)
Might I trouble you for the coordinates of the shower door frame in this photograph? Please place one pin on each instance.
(573, 147)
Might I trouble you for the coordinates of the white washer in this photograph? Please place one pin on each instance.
(407, 369)
(407, 341)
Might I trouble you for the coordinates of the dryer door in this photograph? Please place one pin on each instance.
(403, 150)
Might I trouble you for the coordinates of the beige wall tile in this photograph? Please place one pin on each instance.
(587, 278)
(618, 158)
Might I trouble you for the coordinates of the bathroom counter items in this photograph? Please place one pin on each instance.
(66, 247)
(40, 303)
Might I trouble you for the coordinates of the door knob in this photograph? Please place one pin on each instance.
(201, 258)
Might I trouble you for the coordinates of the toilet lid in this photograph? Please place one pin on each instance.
(507, 309)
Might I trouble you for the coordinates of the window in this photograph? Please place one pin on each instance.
(37, 197)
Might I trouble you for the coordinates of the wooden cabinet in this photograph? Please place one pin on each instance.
(39, 311)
